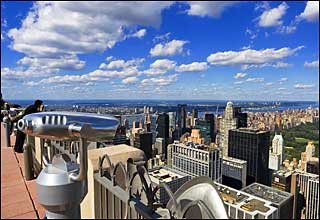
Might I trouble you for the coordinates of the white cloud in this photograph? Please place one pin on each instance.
(164, 64)
(250, 56)
(121, 64)
(240, 75)
(161, 81)
(312, 64)
(163, 37)
(283, 79)
(238, 82)
(130, 80)
(311, 12)
(2, 37)
(193, 67)
(139, 34)
(281, 65)
(109, 58)
(255, 80)
(272, 17)
(208, 8)
(281, 88)
(171, 48)
(65, 62)
(152, 71)
(269, 84)
(303, 86)
(252, 34)
(287, 29)
(53, 29)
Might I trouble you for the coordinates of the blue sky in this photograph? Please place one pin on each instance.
(160, 50)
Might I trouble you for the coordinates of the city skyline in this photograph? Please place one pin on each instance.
(160, 50)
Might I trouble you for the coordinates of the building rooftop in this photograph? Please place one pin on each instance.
(163, 174)
(244, 201)
(284, 172)
(268, 193)
(236, 160)
(250, 130)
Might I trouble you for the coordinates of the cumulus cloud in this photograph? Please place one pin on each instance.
(164, 64)
(65, 62)
(121, 64)
(53, 29)
(240, 75)
(130, 80)
(284, 79)
(161, 81)
(304, 86)
(314, 64)
(171, 48)
(208, 8)
(163, 37)
(272, 17)
(250, 56)
(139, 34)
(193, 67)
(255, 80)
(311, 12)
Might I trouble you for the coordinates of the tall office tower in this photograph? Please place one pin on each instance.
(205, 128)
(281, 180)
(195, 113)
(276, 156)
(210, 118)
(162, 129)
(228, 122)
(195, 162)
(172, 120)
(241, 116)
(280, 199)
(182, 115)
(234, 172)
(145, 109)
(312, 206)
(253, 146)
(143, 141)
(147, 122)
(241, 205)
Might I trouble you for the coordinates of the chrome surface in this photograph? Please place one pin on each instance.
(69, 126)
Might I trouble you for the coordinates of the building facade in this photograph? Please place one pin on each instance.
(195, 162)
(252, 146)
(234, 172)
(312, 206)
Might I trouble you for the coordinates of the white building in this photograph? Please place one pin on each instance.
(276, 155)
(312, 206)
(227, 123)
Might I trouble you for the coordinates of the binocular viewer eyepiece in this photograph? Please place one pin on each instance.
(69, 126)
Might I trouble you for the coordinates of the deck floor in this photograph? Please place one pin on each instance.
(18, 196)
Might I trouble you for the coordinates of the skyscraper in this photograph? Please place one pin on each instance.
(253, 146)
(241, 116)
(276, 156)
(182, 115)
(205, 128)
(210, 119)
(228, 122)
(162, 129)
(312, 206)
(143, 141)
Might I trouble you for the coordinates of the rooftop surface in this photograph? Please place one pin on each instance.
(268, 193)
(18, 196)
(244, 201)
(163, 175)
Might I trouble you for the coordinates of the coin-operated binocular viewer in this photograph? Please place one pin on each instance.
(62, 185)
